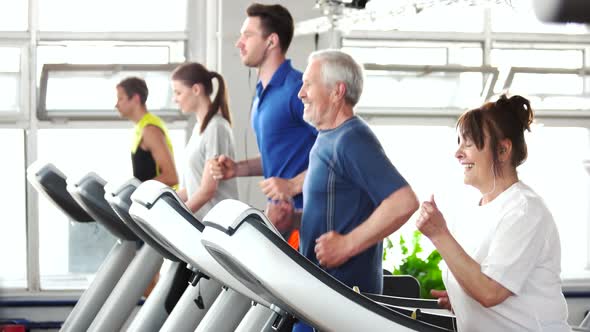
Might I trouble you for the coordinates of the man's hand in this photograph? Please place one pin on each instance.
(333, 249)
(442, 298)
(222, 168)
(278, 189)
(280, 214)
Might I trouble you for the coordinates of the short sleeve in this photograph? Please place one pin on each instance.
(218, 139)
(367, 165)
(515, 247)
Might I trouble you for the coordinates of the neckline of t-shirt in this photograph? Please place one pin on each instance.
(501, 198)
(342, 125)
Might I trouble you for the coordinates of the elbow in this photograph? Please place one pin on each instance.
(170, 179)
(412, 204)
(489, 299)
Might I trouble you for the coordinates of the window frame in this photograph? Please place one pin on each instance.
(44, 114)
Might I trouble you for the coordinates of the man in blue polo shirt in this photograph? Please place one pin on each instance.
(284, 138)
(353, 195)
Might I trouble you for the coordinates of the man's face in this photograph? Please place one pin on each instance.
(124, 104)
(315, 96)
(252, 43)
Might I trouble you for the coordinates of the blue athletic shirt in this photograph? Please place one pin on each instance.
(348, 176)
(284, 138)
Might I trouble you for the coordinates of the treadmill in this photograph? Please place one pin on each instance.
(89, 192)
(51, 182)
(162, 214)
(173, 281)
(245, 243)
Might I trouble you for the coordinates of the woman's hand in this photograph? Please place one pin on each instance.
(431, 221)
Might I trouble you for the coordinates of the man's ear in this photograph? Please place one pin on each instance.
(136, 98)
(340, 90)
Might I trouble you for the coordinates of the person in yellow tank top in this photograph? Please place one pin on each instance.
(151, 149)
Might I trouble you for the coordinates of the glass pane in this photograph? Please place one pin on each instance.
(14, 15)
(13, 245)
(547, 156)
(112, 15)
(10, 78)
(401, 55)
(89, 91)
(111, 52)
(10, 97)
(552, 91)
(423, 89)
(537, 58)
(466, 56)
(70, 253)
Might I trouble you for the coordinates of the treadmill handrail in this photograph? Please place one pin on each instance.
(403, 301)
(337, 285)
(119, 198)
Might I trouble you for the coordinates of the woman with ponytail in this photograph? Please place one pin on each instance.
(503, 256)
(212, 136)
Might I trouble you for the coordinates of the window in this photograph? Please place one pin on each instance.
(112, 15)
(88, 91)
(13, 244)
(413, 110)
(70, 253)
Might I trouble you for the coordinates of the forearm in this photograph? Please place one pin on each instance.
(297, 183)
(198, 199)
(468, 272)
(389, 216)
(182, 194)
(249, 167)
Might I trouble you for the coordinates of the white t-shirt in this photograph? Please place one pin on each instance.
(216, 139)
(515, 240)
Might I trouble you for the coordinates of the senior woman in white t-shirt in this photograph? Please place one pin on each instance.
(503, 255)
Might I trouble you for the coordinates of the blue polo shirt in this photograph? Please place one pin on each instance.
(284, 138)
(349, 175)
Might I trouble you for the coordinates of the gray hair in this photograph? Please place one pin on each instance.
(338, 66)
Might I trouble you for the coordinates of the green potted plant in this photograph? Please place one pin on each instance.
(425, 270)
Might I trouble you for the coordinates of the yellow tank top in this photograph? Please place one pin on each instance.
(148, 119)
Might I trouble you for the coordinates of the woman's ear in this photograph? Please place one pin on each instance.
(196, 89)
(505, 149)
